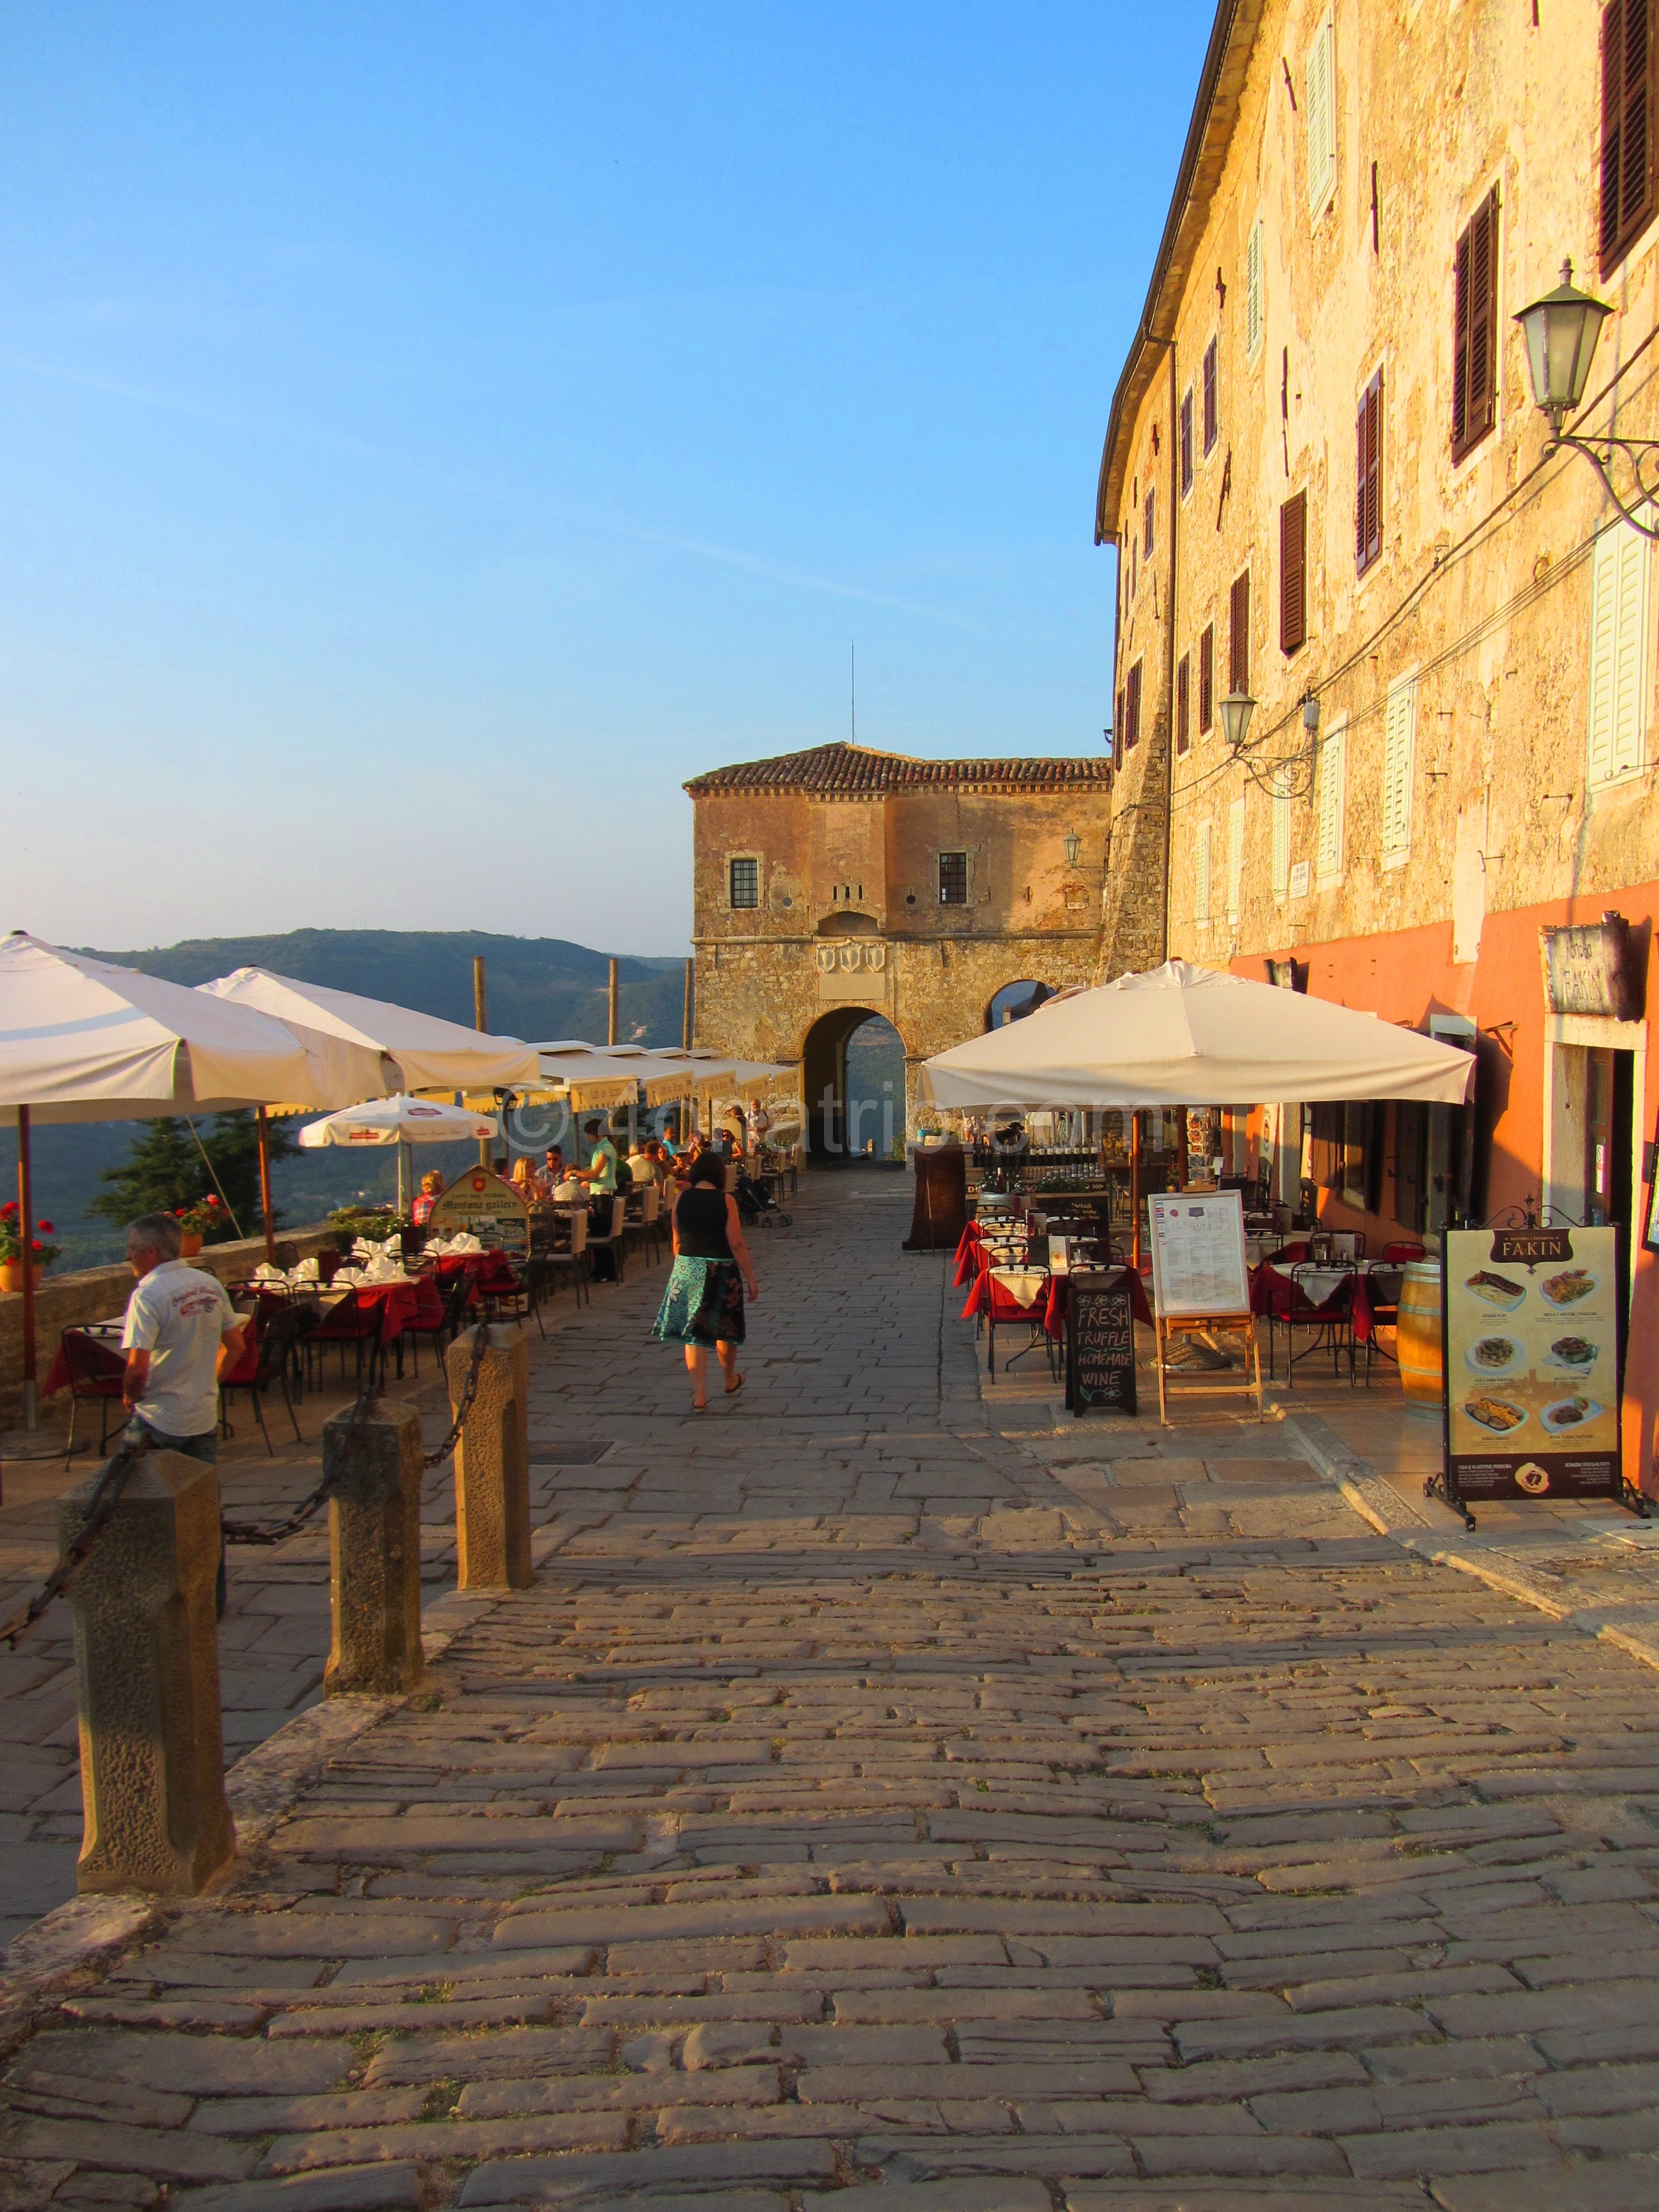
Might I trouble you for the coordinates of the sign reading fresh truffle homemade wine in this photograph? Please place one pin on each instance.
(1530, 1322)
(1100, 1343)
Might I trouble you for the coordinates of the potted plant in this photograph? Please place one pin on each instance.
(40, 1255)
(204, 1222)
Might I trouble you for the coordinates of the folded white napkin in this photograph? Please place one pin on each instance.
(265, 1272)
(466, 1241)
(1024, 1282)
(348, 1275)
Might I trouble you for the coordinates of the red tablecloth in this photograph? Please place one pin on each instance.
(106, 1353)
(998, 1302)
(1281, 1297)
(1059, 1302)
(399, 1304)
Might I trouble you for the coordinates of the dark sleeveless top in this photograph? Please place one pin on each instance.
(699, 1217)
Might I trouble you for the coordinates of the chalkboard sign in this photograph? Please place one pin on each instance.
(1100, 1343)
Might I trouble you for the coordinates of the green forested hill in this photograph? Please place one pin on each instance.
(539, 988)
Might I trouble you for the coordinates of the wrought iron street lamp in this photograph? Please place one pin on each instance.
(1236, 709)
(1074, 846)
(1561, 330)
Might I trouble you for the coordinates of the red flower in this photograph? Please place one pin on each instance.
(37, 1248)
(46, 1225)
(180, 1212)
(211, 1201)
(9, 1212)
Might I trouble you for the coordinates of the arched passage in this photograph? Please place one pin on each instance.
(1014, 1002)
(853, 1102)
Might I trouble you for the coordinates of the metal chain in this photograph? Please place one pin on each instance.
(103, 1502)
(277, 1532)
(480, 1337)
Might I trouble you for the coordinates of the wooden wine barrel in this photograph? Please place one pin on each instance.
(1418, 1337)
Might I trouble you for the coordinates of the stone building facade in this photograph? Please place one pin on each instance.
(1330, 491)
(841, 882)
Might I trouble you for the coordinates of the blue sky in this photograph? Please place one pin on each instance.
(432, 433)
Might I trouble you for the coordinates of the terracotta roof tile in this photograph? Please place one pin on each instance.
(856, 769)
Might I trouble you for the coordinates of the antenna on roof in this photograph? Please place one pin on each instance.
(855, 690)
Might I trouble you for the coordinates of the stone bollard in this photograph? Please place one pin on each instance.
(147, 1677)
(492, 1466)
(374, 1552)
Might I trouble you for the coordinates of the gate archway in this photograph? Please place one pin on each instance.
(844, 1119)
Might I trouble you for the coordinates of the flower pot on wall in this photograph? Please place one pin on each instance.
(189, 1245)
(11, 1275)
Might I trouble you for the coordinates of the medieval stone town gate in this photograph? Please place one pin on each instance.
(841, 882)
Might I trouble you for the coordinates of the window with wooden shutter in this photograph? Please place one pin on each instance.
(1474, 352)
(1132, 710)
(1368, 496)
(1183, 703)
(1201, 873)
(1211, 398)
(1630, 34)
(1321, 117)
(1235, 858)
(1206, 680)
(1254, 302)
(1187, 442)
(1151, 499)
(1399, 756)
(1238, 636)
(1328, 807)
(1293, 574)
(1281, 832)
(1619, 654)
(1117, 731)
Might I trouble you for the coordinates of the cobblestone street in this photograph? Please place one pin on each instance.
(895, 1793)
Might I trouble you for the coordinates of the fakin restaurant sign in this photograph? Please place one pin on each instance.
(1592, 968)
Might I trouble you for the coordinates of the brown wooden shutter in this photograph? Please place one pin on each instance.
(1628, 173)
(1238, 638)
(1183, 704)
(1206, 678)
(1131, 709)
(1211, 410)
(1293, 574)
(1117, 731)
(1368, 497)
(1474, 358)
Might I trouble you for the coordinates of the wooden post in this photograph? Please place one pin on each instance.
(480, 1021)
(1135, 1183)
(264, 1127)
(611, 1039)
(1181, 1148)
(26, 1232)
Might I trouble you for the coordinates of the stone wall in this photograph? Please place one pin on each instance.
(850, 919)
(88, 1294)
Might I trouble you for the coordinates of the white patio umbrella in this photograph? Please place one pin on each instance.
(432, 1055)
(82, 1040)
(1180, 1035)
(398, 1121)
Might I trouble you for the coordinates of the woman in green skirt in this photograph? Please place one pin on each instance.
(703, 1303)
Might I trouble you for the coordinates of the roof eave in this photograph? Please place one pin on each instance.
(1215, 110)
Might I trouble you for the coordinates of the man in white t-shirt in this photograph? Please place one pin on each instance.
(181, 1333)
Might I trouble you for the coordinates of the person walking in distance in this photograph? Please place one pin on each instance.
(703, 1302)
(181, 1333)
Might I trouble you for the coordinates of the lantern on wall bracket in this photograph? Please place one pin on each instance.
(1074, 846)
(1236, 710)
(1561, 330)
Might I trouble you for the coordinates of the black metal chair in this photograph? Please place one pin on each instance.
(263, 1361)
(96, 1371)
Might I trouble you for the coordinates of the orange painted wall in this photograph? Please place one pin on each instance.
(1406, 976)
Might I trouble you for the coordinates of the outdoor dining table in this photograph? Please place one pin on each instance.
(1011, 1296)
(105, 1339)
(1334, 1302)
(399, 1301)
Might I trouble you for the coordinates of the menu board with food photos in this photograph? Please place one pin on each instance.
(1530, 1321)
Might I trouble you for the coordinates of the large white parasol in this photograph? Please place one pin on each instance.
(398, 1121)
(433, 1054)
(82, 1040)
(1179, 1035)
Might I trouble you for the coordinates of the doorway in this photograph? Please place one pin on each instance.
(852, 1071)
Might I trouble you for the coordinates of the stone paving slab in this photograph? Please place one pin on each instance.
(1127, 1822)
